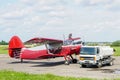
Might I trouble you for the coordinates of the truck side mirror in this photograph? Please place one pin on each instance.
(98, 50)
(114, 50)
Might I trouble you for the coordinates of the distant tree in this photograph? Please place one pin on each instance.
(92, 44)
(116, 43)
(98, 43)
(3, 43)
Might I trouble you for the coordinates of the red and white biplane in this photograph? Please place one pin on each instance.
(48, 48)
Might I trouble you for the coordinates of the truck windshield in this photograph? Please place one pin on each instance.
(87, 51)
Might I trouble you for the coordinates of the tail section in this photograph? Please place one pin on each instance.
(15, 45)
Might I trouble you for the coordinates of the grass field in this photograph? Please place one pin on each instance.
(117, 51)
(12, 75)
(3, 49)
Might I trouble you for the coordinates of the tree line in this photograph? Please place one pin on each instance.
(115, 43)
(3, 42)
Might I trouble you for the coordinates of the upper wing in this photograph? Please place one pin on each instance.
(74, 38)
(70, 41)
(44, 40)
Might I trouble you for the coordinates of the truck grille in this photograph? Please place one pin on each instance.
(87, 58)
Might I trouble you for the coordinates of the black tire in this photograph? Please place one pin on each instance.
(83, 65)
(99, 64)
(74, 61)
(21, 60)
(67, 62)
(111, 63)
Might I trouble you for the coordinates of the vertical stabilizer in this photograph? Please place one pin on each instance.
(15, 45)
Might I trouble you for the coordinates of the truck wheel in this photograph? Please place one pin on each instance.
(83, 65)
(99, 65)
(111, 63)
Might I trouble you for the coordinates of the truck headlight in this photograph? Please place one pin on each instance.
(81, 58)
(94, 58)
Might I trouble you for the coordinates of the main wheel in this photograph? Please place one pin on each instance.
(21, 60)
(67, 62)
(74, 60)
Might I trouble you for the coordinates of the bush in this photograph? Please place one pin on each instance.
(116, 43)
(3, 43)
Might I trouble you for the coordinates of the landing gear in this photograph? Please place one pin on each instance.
(70, 59)
(67, 62)
(74, 60)
(21, 60)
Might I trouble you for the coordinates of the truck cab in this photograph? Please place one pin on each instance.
(96, 55)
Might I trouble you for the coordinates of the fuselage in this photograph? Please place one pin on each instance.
(27, 53)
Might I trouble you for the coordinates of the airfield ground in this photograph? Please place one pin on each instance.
(56, 66)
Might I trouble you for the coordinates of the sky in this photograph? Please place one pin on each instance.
(92, 20)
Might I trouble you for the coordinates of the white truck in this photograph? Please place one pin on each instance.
(96, 55)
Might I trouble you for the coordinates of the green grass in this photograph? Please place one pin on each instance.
(12, 75)
(3, 49)
(117, 51)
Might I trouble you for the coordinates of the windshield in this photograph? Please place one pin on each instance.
(41, 47)
(87, 51)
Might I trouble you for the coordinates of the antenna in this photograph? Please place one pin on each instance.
(83, 43)
(70, 36)
(63, 39)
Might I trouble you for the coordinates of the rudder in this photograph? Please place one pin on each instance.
(15, 45)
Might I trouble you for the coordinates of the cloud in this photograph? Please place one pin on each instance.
(51, 18)
(7, 30)
(13, 14)
(78, 1)
(56, 13)
(93, 2)
(110, 5)
(55, 21)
